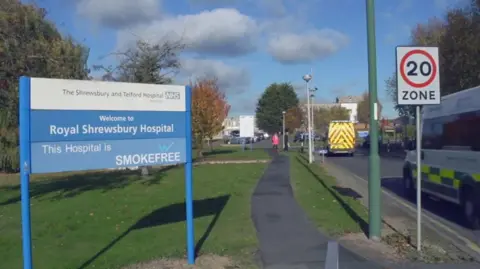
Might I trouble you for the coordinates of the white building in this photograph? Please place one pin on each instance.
(348, 102)
(233, 123)
(351, 103)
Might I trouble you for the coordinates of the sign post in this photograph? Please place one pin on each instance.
(74, 125)
(418, 84)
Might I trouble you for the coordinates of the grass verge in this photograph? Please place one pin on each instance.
(220, 153)
(112, 219)
(331, 208)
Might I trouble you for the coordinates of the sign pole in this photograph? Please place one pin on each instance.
(419, 179)
(24, 117)
(188, 177)
(418, 84)
(374, 214)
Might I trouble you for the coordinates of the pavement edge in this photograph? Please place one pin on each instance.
(459, 241)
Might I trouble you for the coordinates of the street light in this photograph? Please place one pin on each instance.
(312, 113)
(307, 79)
(374, 214)
(312, 137)
(283, 129)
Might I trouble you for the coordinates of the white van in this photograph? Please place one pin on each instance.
(450, 153)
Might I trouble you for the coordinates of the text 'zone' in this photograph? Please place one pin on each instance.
(418, 95)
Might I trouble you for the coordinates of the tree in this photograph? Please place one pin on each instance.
(458, 42)
(323, 116)
(391, 86)
(31, 46)
(459, 49)
(293, 118)
(276, 98)
(363, 109)
(146, 63)
(209, 110)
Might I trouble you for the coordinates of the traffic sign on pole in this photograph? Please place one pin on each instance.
(418, 83)
(418, 76)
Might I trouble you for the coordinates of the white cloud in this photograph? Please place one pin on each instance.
(119, 13)
(289, 48)
(230, 79)
(220, 31)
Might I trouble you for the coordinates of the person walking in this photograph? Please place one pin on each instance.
(275, 141)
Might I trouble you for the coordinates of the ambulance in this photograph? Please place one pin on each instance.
(341, 138)
(450, 154)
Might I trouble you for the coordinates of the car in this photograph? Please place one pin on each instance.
(298, 137)
(259, 136)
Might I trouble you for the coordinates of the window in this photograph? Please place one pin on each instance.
(456, 132)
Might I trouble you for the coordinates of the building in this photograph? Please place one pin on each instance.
(233, 123)
(351, 104)
(348, 102)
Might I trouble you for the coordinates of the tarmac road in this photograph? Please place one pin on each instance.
(441, 212)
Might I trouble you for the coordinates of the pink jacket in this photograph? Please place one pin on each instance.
(275, 139)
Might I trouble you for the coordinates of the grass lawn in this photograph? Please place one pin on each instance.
(333, 209)
(234, 153)
(109, 220)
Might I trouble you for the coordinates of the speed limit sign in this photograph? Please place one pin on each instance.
(418, 76)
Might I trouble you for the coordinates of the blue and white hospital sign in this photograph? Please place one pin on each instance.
(83, 125)
(74, 125)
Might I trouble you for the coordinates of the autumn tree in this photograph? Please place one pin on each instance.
(323, 116)
(209, 110)
(363, 109)
(276, 98)
(456, 35)
(293, 118)
(31, 46)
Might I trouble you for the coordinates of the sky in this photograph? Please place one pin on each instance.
(249, 44)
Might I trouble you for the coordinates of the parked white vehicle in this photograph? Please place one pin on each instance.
(450, 153)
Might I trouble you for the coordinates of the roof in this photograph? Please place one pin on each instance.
(349, 99)
(318, 106)
(460, 102)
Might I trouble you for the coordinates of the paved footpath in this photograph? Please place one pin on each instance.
(288, 240)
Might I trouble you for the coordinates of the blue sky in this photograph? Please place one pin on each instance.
(248, 44)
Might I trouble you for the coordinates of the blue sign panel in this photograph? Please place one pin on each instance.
(50, 157)
(85, 125)
(362, 134)
(73, 125)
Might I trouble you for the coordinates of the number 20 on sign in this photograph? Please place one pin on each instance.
(418, 78)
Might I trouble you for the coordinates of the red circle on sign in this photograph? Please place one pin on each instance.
(405, 77)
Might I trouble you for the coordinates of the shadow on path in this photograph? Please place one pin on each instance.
(172, 214)
(335, 191)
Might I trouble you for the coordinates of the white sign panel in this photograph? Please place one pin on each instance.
(418, 76)
(247, 126)
(62, 94)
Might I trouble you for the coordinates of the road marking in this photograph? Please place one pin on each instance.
(472, 245)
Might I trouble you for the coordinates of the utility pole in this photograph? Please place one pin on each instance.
(374, 216)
